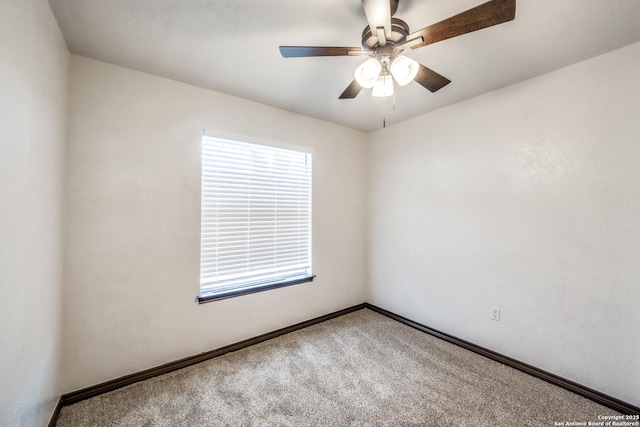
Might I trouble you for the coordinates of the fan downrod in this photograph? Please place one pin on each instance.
(394, 6)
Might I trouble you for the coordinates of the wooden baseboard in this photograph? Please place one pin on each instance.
(589, 393)
(594, 395)
(56, 413)
(86, 393)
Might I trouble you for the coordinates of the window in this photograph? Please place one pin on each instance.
(255, 218)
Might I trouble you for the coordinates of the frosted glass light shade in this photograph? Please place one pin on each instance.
(367, 73)
(404, 70)
(383, 87)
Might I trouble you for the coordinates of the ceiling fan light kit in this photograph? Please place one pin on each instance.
(404, 69)
(368, 72)
(383, 87)
(386, 38)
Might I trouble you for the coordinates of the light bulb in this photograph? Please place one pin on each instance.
(367, 73)
(404, 70)
(383, 87)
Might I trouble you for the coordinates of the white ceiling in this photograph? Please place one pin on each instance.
(231, 46)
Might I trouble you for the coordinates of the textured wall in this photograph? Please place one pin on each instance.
(133, 222)
(528, 199)
(33, 119)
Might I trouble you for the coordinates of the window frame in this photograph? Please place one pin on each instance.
(251, 287)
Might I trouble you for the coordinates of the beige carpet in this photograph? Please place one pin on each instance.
(359, 369)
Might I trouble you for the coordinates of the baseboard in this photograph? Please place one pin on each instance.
(56, 413)
(86, 393)
(589, 393)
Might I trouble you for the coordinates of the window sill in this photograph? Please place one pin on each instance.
(215, 296)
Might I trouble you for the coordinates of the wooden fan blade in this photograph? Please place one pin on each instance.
(351, 91)
(430, 79)
(486, 15)
(305, 51)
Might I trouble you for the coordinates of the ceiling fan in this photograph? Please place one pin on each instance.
(385, 38)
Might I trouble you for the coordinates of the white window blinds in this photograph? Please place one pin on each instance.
(256, 216)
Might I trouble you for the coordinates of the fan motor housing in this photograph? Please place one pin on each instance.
(399, 32)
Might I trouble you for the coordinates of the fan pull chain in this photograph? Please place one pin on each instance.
(384, 109)
(384, 114)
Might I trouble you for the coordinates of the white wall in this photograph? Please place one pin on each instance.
(33, 118)
(133, 225)
(528, 199)
(525, 198)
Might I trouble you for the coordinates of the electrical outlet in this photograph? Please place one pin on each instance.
(495, 313)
